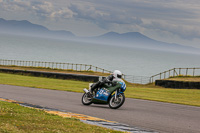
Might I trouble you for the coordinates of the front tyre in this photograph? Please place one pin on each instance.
(116, 103)
(86, 100)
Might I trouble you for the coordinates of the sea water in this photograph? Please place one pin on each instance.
(130, 60)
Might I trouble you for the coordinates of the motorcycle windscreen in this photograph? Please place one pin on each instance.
(102, 95)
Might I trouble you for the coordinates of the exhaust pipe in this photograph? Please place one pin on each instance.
(85, 90)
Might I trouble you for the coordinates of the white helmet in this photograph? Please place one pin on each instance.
(117, 74)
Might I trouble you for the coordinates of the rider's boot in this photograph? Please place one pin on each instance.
(90, 93)
(93, 86)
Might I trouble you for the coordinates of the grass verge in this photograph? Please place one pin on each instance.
(15, 118)
(148, 92)
(186, 78)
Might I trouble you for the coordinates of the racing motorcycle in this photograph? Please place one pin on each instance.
(113, 95)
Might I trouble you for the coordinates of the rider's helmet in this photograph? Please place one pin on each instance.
(117, 74)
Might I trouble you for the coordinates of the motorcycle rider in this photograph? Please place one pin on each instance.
(115, 76)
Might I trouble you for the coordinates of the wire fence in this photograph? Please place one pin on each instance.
(137, 79)
(53, 65)
(84, 67)
(71, 66)
(176, 72)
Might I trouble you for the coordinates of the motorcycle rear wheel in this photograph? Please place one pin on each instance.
(86, 100)
(116, 103)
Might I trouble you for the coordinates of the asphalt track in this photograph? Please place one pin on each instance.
(150, 115)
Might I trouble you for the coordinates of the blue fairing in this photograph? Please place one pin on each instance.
(123, 86)
(102, 95)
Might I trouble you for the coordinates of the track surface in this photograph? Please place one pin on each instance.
(149, 115)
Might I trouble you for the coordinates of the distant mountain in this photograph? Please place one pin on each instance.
(136, 39)
(25, 27)
(130, 39)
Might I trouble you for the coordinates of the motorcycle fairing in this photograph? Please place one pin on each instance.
(102, 94)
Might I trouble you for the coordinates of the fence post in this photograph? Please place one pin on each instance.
(63, 66)
(193, 71)
(186, 71)
(164, 74)
(72, 66)
(60, 66)
(52, 65)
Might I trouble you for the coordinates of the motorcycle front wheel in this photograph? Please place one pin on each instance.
(118, 102)
(86, 100)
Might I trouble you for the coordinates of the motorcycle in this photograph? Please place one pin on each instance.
(113, 95)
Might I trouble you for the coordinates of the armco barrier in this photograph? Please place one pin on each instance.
(178, 84)
(90, 78)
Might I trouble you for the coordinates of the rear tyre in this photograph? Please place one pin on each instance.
(116, 103)
(86, 100)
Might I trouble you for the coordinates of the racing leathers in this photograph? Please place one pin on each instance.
(98, 84)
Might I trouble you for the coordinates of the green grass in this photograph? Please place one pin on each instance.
(179, 96)
(149, 92)
(15, 118)
(41, 82)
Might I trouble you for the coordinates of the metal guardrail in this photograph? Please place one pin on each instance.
(176, 72)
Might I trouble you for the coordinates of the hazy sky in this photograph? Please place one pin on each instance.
(173, 21)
